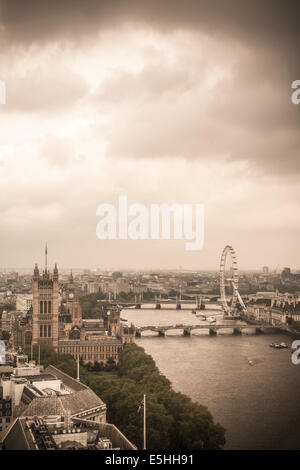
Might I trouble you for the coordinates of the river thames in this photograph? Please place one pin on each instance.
(258, 405)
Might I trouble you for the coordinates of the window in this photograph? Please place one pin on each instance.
(45, 331)
(49, 306)
(41, 331)
(41, 307)
(49, 331)
(45, 306)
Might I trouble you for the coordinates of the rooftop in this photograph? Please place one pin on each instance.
(74, 396)
(37, 378)
(40, 434)
(71, 383)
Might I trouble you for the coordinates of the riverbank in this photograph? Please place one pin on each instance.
(215, 371)
(174, 421)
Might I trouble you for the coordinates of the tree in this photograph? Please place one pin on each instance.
(110, 364)
(90, 306)
(296, 325)
(174, 421)
(5, 335)
(97, 366)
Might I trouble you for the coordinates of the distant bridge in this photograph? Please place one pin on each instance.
(164, 304)
(197, 301)
(160, 306)
(213, 329)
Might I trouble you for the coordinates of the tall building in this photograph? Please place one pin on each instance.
(45, 306)
(286, 273)
(73, 305)
(62, 326)
(265, 270)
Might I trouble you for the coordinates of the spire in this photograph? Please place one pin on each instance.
(71, 276)
(46, 258)
(36, 272)
(55, 273)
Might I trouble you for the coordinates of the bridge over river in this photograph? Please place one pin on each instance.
(236, 329)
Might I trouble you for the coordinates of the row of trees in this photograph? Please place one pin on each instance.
(174, 421)
(296, 325)
(90, 306)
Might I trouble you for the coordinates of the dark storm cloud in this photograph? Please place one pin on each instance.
(251, 117)
(274, 24)
(246, 116)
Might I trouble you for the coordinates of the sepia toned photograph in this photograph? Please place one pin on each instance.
(150, 228)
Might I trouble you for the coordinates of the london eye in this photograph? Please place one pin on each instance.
(229, 279)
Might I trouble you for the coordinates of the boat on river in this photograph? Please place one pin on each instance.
(279, 345)
(211, 319)
(202, 317)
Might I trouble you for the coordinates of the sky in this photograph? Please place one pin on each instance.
(162, 101)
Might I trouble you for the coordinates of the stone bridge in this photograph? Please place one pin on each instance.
(212, 328)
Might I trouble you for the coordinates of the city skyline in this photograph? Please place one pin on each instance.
(40, 261)
(99, 269)
(150, 230)
(162, 103)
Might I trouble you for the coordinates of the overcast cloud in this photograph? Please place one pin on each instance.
(166, 101)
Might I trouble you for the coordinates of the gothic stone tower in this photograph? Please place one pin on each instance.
(73, 305)
(45, 307)
(111, 319)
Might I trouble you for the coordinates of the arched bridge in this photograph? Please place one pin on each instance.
(213, 329)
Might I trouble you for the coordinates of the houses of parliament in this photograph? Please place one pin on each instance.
(56, 321)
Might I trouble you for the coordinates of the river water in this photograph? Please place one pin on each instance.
(258, 405)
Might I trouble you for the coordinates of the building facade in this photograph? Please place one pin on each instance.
(61, 326)
(277, 311)
(259, 310)
(73, 307)
(45, 307)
